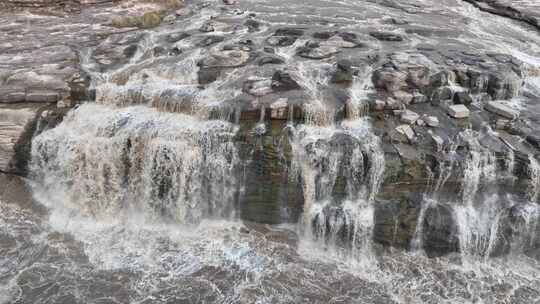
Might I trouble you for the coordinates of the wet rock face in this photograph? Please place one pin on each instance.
(396, 221)
(17, 127)
(440, 235)
(19, 124)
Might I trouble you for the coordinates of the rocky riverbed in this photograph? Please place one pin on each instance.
(269, 151)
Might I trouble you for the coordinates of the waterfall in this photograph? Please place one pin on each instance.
(480, 166)
(526, 228)
(533, 171)
(167, 166)
(445, 167)
(341, 171)
(478, 227)
(482, 217)
(314, 79)
(361, 87)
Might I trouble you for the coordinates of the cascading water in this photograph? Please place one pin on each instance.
(341, 171)
(358, 103)
(314, 78)
(168, 166)
(480, 167)
(533, 171)
(481, 216)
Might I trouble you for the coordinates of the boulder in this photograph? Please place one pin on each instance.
(209, 40)
(252, 25)
(225, 59)
(289, 31)
(463, 98)
(431, 121)
(419, 98)
(389, 79)
(501, 109)
(270, 60)
(406, 130)
(404, 97)
(386, 36)
(458, 111)
(282, 81)
(409, 117)
(150, 20)
(437, 141)
(16, 129)
(344, 72)
(317, 51)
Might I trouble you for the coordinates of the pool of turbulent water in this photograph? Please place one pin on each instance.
(56, 255)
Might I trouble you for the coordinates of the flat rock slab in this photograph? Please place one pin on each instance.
(458, 111)
(501, 109)
(406, 130)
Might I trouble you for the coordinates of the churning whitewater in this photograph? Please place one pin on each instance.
(269, 151)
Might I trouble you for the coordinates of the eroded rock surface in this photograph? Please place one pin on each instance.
(422, 114)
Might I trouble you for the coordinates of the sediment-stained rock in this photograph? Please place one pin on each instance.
(17, 125)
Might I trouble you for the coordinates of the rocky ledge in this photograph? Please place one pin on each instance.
(525, 11)
(449, 89)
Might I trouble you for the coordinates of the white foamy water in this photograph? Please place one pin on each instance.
(170, 166)
(343, 161)
(361, 87)
(480, 166)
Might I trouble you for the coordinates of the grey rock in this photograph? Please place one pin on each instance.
(42, 96)
(389, 79)
(317, 51)
(440, 235)
(386, 36)
(270, 60)
(15, 123)
(407, 131)
(175, 37)
(282, 81)
(344, 72)
(405, 97)
(226, 59)
(419, 98)
(501, 109)
(409, 117)
(431, 121)
(463, 98)
(458, 111)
